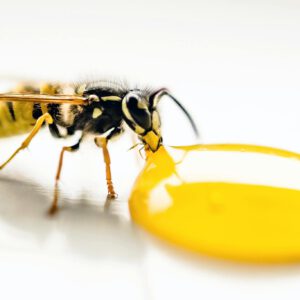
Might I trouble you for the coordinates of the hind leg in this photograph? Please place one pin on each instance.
(40, 121)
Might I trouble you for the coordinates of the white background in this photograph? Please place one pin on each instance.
(234, 64)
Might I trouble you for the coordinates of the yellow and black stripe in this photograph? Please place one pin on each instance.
(20, 117)
(16, 118)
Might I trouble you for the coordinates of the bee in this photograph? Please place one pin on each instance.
(100, 109)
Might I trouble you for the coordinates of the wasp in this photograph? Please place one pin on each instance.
(100, 109)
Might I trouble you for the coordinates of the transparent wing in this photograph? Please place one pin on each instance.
(40, 98)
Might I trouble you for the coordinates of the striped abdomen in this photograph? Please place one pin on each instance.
(16, 118)
(20, 117)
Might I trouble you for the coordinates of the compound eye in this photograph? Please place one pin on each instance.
(139, 112)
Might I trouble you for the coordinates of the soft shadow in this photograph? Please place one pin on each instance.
(212, 264)
(87, 229)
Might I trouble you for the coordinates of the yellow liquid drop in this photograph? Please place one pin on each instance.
(240, 202)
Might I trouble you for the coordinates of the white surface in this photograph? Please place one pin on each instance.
(235, 65)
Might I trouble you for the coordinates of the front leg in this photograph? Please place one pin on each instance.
(102, 143)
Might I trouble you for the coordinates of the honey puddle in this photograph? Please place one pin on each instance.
(240, 202)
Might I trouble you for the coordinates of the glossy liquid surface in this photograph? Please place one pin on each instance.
(240, 202)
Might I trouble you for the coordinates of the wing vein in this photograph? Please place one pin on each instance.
(40, 98)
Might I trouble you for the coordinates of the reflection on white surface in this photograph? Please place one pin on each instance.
(91, 245)
(84, 229)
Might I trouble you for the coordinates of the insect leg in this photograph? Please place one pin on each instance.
(102, 142)
(44, 118)
(73, 148)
